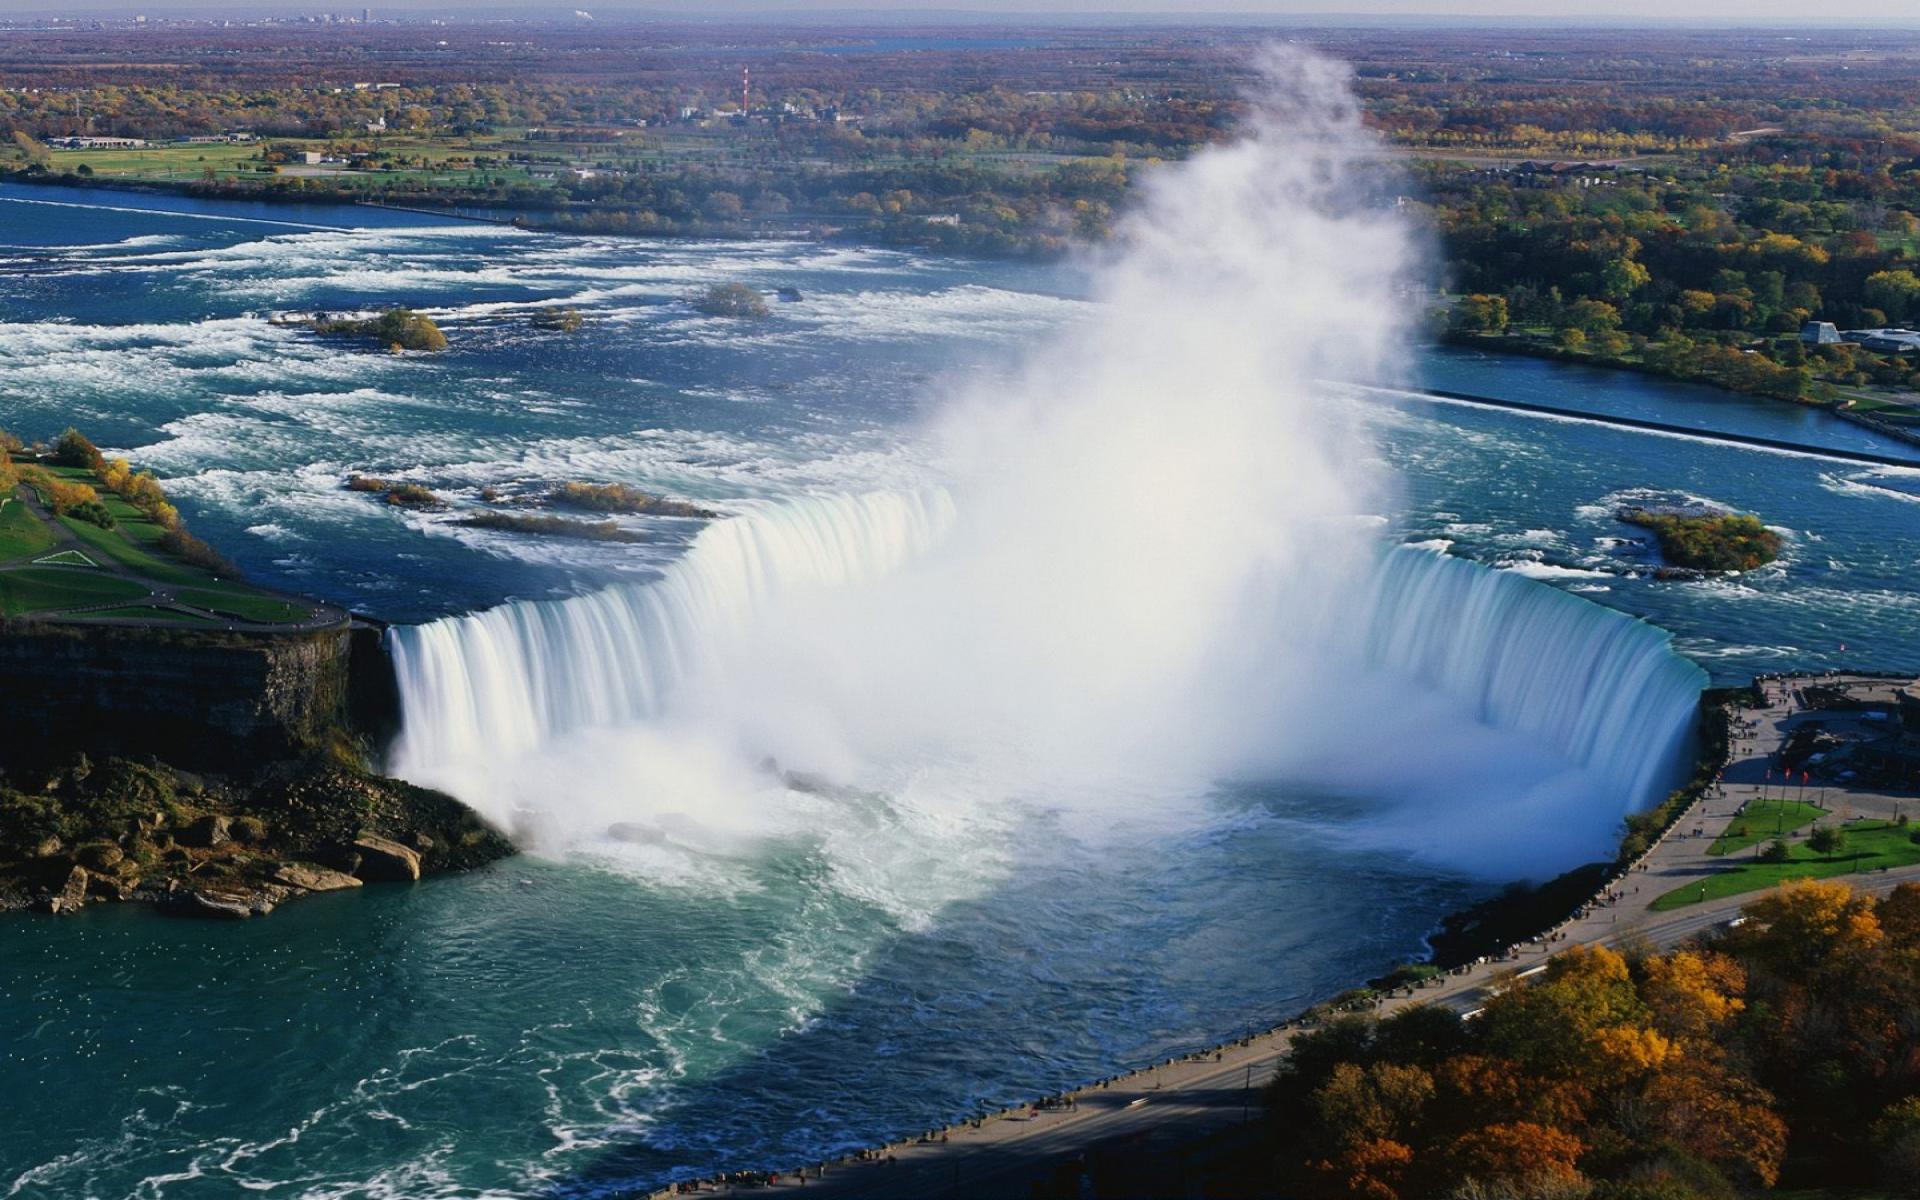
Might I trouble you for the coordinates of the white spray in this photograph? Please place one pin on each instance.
(1137, 571)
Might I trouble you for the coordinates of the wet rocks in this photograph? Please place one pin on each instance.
(311, 878)
(207, 832)
(229, 902)
(72, 895)
(385, 861)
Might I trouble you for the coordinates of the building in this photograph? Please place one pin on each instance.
(1885, 341)
(1819, 333)
(97, 143)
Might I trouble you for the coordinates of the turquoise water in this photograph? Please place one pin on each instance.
(599, 1022)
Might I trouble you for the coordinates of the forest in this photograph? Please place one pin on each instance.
(1677, 202)
(1783, 1052)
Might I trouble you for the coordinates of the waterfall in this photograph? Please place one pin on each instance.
(513, 678)
(1600, 689)
(1603, 689)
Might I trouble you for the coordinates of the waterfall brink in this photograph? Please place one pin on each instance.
(1597, 689)
(513, 678)
(1601, 688)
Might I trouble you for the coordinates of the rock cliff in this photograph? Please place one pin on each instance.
(199, 700)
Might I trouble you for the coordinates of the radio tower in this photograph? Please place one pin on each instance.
(745, 79)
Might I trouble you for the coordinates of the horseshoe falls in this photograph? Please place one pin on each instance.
(1601, 693)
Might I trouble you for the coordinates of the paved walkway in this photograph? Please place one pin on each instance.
(1216, 1090)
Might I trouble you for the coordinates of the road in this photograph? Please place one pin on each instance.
(1214, 1091)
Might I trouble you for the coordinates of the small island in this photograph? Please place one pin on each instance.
(1704, 540)
(619, 498)
(557, 320)
(731, 300)
(396, 493)
(397, 329)
(589, 531)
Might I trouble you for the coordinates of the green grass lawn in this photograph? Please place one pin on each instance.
(39, 589)
(121, 545)
(1871, 845)
(22, 535)
(1764, 821)
(243, 603)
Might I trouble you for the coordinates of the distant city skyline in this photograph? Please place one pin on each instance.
(1898, 13)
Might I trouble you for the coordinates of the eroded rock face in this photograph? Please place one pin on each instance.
(219, 702)
(384, 861)
(232, 903)
(208, 832)
(311, 878)
(72, 896)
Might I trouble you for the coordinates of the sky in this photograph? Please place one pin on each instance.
(1829, 12)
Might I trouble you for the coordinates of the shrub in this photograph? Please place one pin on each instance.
(93, 513)
(249, 831)
(191, 549)
(72, 449)
(731, 300)
(400, 495)
(399, 327)
(618, 497)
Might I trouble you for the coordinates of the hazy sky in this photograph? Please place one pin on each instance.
(1884, 12)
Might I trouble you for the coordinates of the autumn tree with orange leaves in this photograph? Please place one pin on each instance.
(1782, 1052)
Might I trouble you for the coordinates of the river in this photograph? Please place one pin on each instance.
(613, 1016)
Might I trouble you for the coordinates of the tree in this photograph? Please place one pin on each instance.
(1517, 1153)
(1777, 851)
(1378, 1102)
(1692, 994)
(1622, 277)
(1480, 313)
(1711, 1112)
(1827, 841)
(1897, 293)
(1592, 317)
(72, 449)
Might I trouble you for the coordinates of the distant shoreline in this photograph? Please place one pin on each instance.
(1777, 445)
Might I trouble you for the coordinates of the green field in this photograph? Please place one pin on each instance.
(1871, 846)
(134, 544)
(239, 602)
(22, 535)
(33, 589)
(1764, 821)
(246, 161)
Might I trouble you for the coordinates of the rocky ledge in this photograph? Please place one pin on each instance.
(205, 846)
